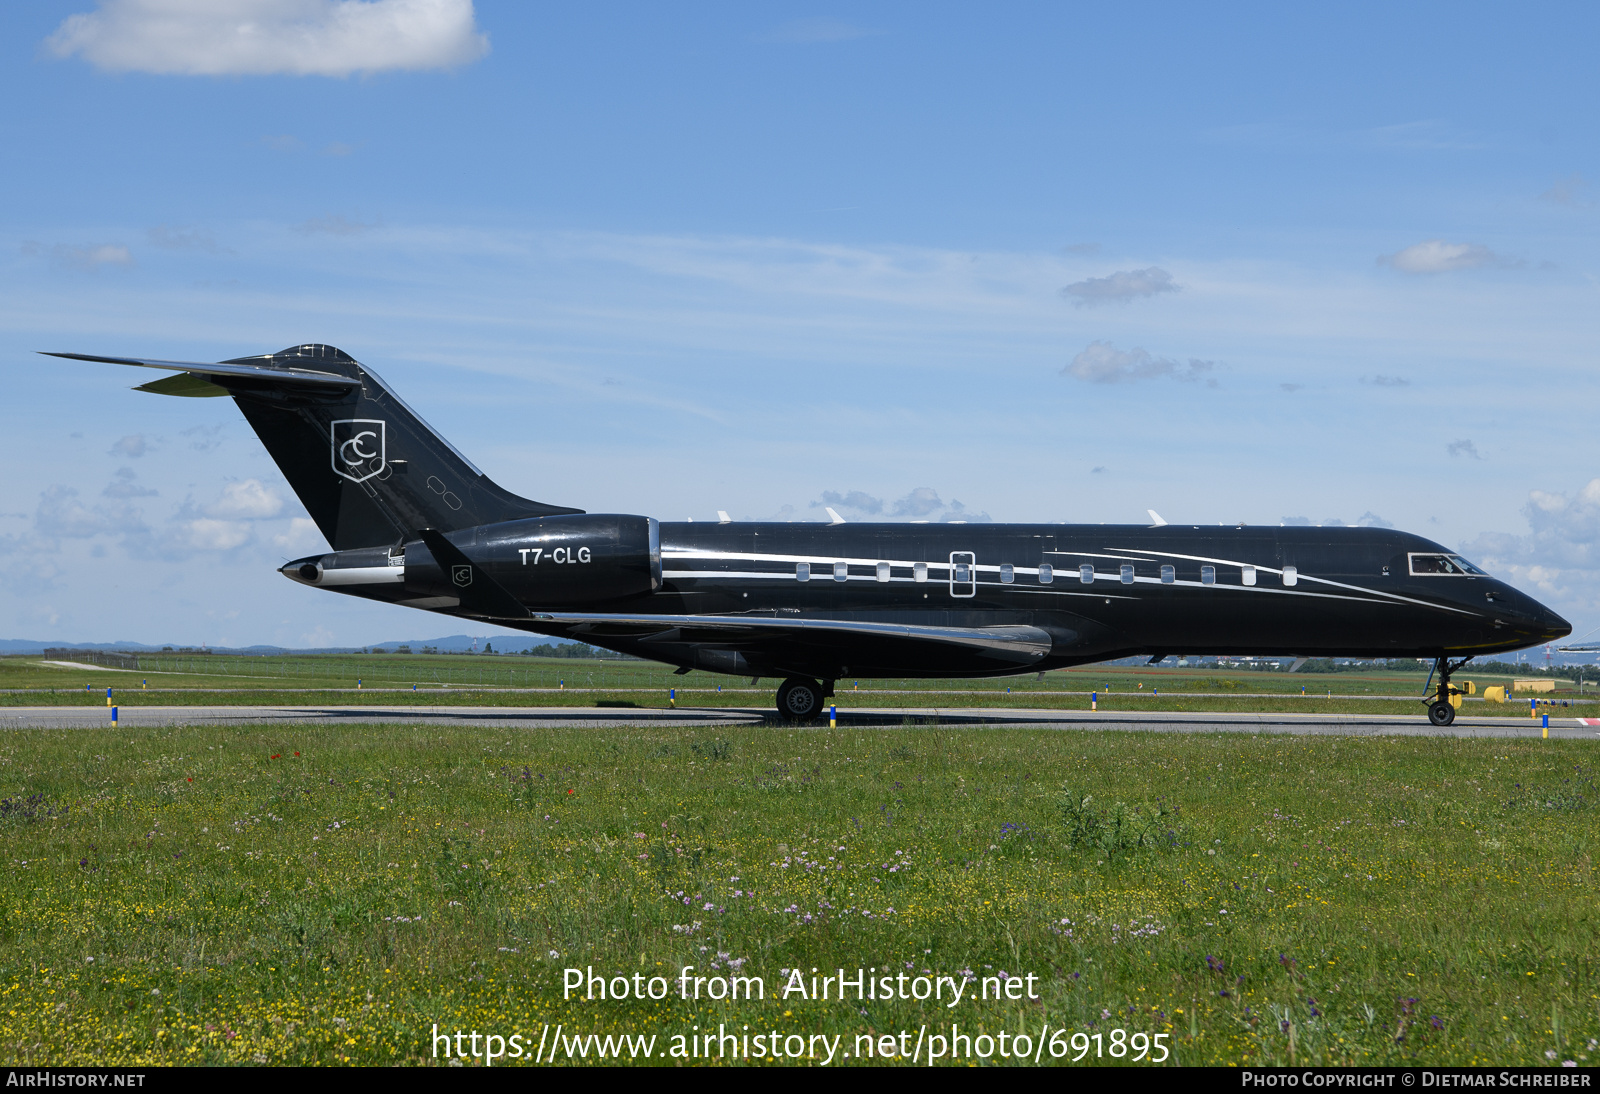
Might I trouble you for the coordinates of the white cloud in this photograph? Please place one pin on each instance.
(1103, 363)
(206, 534)
(263, 37)
(1560, 556)
(1436, 256)
(1569, 191)
(89, 257)
(1369, 519)
(922, 503)
(318, 637)
(125, 486)
(1121, 287)
(62, 514)
(302, 536)
(134, 444)
(175, 238)
(246, 500)
(858, 500)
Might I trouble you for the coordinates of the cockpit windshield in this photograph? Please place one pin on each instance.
(1443, 566)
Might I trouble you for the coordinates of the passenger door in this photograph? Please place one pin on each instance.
(963, 573)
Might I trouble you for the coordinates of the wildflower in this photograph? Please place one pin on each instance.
(1436, 1022)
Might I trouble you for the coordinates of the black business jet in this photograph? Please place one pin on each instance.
(411, 521)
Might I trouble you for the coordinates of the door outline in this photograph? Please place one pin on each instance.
(968, 560)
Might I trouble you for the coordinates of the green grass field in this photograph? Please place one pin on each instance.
(331, 894)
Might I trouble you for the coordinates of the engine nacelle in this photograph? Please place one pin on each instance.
(548, 561)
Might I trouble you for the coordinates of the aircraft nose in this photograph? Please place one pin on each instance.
(1554, 626)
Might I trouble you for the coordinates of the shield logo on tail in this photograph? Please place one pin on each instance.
(359, 448)
(461, 575)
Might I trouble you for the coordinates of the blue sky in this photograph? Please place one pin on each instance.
(1033, 262)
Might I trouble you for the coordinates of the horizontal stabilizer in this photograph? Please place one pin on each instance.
(185, 384)
(223, 368)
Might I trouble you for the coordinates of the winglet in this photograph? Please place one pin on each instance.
(833, 517)
(723, 517)
(480, 593)
(1155, 519)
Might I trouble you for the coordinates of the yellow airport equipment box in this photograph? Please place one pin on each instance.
(1544, 684)
(1494, 695)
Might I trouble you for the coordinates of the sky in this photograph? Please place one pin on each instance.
(1024, 262)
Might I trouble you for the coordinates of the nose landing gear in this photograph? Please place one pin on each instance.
(1441, 711)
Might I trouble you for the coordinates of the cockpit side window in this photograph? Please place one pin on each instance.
(1427, 565)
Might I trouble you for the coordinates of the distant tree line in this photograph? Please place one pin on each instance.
(1411, 664)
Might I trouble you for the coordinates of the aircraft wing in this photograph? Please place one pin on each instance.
(1022, 645)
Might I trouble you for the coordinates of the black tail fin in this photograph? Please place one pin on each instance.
(369, 471)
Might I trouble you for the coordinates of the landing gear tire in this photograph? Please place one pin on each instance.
(799, 699)
(1441, 714)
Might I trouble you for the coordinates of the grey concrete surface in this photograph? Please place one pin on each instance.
(882, 717)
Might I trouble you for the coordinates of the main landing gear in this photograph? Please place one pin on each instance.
(800, 699)
(1441, 711)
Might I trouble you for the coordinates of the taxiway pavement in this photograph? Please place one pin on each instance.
(858, 717)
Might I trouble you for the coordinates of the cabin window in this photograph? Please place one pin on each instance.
(1291, 575)
(1086, 574)
(1047, 573)
(883, 571)
(1208, 575)
(841, 571)
(1444, 566)
(1247, 575)
(1127, 573)
(919, 572)
(802, 571)
(1168, 575)
(963, 572)
(1007, 573)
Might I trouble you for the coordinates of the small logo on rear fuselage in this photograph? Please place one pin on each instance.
(359, 448)
(461, 575)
